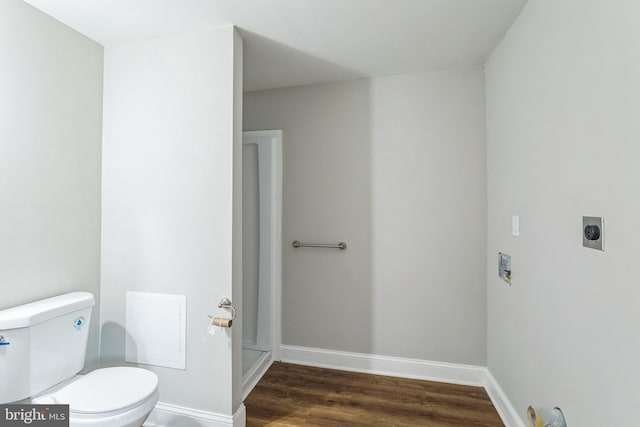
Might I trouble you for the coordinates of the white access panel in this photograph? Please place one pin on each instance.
(156, 329)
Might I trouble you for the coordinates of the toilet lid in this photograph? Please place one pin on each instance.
(108, 389)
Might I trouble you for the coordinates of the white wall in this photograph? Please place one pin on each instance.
(50, 136)
(563, 132)
(395, 167)
(170, 159)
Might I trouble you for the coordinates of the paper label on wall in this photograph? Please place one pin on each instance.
(504, 267)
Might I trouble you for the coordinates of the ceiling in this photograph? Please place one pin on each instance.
(295, 42)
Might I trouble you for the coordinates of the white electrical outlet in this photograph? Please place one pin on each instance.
(515, 225)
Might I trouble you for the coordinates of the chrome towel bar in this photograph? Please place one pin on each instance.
(299, 244)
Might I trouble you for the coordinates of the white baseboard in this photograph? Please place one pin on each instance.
(502, 403)
(385, 365)
(167, 415)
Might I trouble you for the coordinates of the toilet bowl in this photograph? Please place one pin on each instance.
(107, 397)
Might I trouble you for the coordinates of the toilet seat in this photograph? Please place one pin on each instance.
(108, 390)
(133, 416)
(122, 396)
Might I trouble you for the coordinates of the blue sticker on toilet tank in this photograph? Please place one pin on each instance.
(78, 323)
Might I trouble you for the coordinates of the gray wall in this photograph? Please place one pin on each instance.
(563, 93)
(395, 167)
(171, 211)
(50, 136)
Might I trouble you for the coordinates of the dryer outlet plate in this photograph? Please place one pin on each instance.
(593, 221)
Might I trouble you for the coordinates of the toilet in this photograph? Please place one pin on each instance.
(43, 347)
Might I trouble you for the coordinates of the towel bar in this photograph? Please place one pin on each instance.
(299, 244)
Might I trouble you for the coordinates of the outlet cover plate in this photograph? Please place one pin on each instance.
(593, 244)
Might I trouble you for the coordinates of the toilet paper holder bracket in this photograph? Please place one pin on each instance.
(226, 303)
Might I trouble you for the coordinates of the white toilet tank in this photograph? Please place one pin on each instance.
(42, 344)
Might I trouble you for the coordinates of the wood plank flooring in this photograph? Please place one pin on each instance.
(295, 395)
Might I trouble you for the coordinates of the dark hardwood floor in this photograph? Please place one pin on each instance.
(295, 395)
